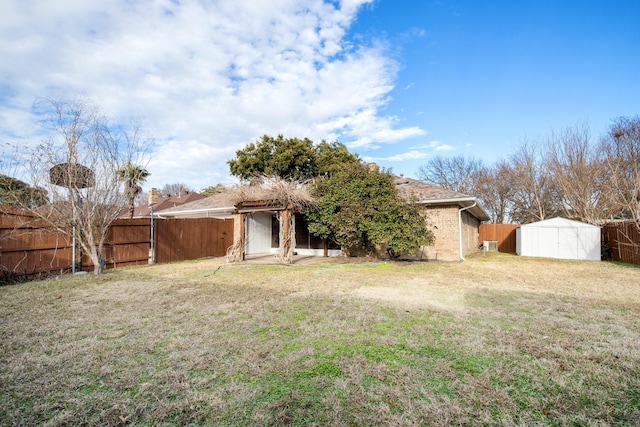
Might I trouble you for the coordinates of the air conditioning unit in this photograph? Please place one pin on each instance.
(490, 246)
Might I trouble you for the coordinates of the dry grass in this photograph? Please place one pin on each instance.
(496, 340)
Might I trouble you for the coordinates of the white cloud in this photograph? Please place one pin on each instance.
(417, 152)
(445, 147)
(207, 77)
(434, 146)
(402, 157)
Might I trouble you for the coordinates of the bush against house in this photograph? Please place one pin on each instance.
(357, 207)
(360, 208)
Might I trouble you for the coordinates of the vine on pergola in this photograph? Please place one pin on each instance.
(286, 197)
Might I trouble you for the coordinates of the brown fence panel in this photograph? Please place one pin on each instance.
(128, 243)
(504, 234)
(28, 246)
(181, 239)
(622, 240)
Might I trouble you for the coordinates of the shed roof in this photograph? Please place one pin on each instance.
(559, 222)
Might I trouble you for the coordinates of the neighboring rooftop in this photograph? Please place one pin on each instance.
(216, 204)
(164, 203)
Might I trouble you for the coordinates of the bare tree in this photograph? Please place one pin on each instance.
(621, 149)
(78, 164)
(494, 188)
(577, 169)
(175, 189)
(457, 173)
(533, 190)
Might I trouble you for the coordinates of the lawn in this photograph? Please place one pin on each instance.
(494, 340)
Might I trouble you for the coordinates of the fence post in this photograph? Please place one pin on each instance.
(152, 248)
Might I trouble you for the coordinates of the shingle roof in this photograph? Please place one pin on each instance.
(165, 203)
(426, 192)
(220, 200)
(432, 195)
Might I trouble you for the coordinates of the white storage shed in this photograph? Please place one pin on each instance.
(559, 238)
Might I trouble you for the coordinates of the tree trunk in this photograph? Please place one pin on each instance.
(97, 260)
(286, 243)
(131, 209)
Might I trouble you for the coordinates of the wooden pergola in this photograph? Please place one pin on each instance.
(270, 194)
(286, 213)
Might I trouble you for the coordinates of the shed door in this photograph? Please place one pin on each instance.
(258, 233)
(567, 243)
(548, 242)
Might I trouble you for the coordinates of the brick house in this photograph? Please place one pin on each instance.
(455, 218)
(258, 222)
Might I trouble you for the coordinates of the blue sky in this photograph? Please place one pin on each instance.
(482, 76)
(398, 81)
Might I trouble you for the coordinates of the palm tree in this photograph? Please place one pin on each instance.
(132, 176)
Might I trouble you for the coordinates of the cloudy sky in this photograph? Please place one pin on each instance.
(398, 81)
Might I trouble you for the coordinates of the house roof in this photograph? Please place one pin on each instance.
(165, 203)
(216, 204)
(426, 194)
(432, 195)
(272, 195)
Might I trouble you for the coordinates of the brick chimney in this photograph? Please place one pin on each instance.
(153, 196)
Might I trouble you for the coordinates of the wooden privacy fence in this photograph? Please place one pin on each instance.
(621, 241)
(192, 238)
(504, 234)
(28, 246)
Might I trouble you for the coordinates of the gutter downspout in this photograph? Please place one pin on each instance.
(460, 226)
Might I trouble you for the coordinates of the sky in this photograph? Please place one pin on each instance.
(397, 81)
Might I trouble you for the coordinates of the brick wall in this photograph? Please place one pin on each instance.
(470, 233)
(444, 222)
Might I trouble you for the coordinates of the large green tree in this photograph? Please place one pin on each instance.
(213, 190)
(361, 209)
(289, 158)
(14, 192)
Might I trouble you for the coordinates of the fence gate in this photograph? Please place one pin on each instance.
(192, 238)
